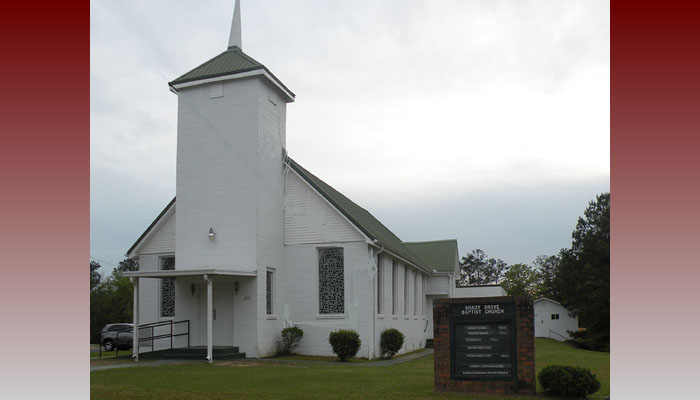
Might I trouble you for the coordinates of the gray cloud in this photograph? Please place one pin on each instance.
(425, 105)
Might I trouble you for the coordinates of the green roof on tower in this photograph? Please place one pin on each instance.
(231, 64)
(233, 61)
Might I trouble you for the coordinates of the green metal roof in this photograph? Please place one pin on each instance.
(437, 255)
(230, 62)
(440, 255)
(360, 217)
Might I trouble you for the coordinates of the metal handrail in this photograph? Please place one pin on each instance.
(564, 337)
(153, 336)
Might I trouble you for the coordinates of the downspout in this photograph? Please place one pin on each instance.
(374, 299)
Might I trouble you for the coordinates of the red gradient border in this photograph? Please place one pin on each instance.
(655, 188)
(44, 192)
(44, 213)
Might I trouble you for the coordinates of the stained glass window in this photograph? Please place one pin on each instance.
(394, 286)
(379, 284)
(416, 299)
(268, 293)
(405, 289)
(331, 282)
(167, 289)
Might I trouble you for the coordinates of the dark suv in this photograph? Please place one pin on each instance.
(117, 336)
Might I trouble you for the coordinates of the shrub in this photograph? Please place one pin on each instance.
(561, 380)
(582, 339)
(391, 341)
(290, 338)
(345, 343)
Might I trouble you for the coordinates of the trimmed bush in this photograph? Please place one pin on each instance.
(391, 342)
(290, 338)
(345, 343)
(562, 380)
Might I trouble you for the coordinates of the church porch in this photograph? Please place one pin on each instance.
(204, 303)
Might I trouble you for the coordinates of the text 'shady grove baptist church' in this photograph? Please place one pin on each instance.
(254, 243)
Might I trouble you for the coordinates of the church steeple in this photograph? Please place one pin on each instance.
(235, 36)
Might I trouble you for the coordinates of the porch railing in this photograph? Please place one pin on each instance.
(128, 340)
(560, 335)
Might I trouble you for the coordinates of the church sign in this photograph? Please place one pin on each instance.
(485, 345)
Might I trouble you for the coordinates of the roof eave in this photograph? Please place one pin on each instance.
(255, 71)
(131, 252)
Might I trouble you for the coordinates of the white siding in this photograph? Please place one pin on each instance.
(556, 329)
(309, 218)
(162, 240)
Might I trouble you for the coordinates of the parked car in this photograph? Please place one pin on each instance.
(117, 336)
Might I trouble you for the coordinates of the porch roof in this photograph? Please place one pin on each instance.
(187, 272)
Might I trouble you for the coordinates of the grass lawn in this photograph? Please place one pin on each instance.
(110, 353)
(251, 380)
(300, 357)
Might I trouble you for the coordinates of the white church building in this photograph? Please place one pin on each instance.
(254, 242)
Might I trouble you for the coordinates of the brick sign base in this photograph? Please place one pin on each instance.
(520, 380)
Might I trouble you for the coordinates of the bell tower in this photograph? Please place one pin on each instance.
(230, 148)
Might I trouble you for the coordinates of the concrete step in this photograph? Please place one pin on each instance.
(194, 353)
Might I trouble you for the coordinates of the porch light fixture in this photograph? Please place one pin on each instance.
(235, 286)
(192, 289)
(211, 234)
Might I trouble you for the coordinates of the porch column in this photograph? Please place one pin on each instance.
(135, 335)
(210, 318)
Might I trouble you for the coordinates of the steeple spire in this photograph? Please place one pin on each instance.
(235, 37)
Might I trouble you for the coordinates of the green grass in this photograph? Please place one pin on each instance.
(110, 353)
(251, 380)
(549, 351)
(301, 357)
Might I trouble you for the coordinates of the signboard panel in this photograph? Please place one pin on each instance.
(483, 341)
(485, 345)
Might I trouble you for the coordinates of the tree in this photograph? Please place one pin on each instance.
(582, 281)
(547, 266)
(520, 279)
(476, 269)
(94, 275)
(110, 302)
(127, 265)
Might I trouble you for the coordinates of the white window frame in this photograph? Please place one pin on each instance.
(342, 315)
(273, 287)
(406, 291)
(380, 283)
(394, 288)
(162, 258)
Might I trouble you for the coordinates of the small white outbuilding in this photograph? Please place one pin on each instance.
(553, 321)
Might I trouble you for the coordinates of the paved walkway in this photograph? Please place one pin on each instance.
(148, 363)
(158, 363)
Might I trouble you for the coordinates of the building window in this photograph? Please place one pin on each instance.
(394, 286)
(416, 299)
(167, 289)
(268, 293)
(379, 284)
(555, 316)
(422, 296)
(406, 298)
(331, 282)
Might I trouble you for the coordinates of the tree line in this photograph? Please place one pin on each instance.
(578, 277)
(111, 298)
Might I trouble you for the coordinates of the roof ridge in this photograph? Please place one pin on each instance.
(433, 241)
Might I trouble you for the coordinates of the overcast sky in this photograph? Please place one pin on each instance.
(485, 121)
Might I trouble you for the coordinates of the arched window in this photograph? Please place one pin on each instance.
(331, 282)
